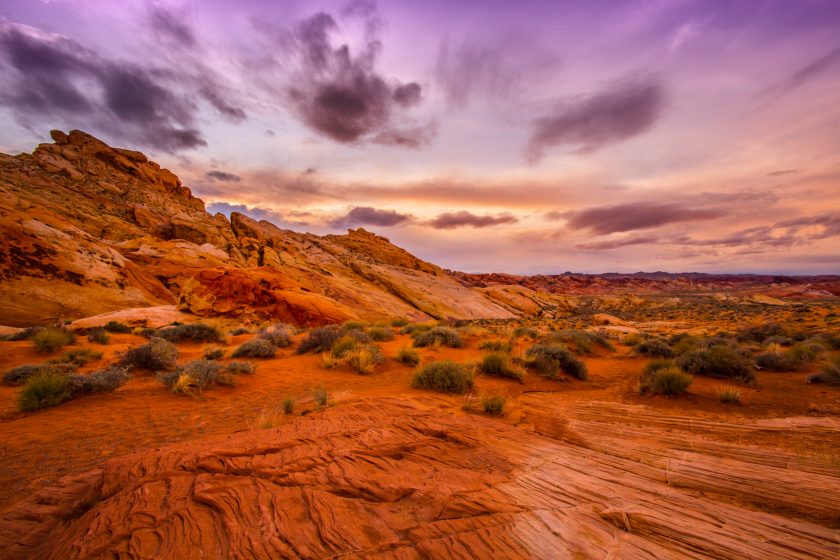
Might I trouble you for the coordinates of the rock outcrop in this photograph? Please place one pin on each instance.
(87, 229)
(396, 478)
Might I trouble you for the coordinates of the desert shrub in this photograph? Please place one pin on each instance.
(497, 345)
(493, 404)
(77, 357)
(829, 373)
(195, 332)
(446, 376)
(579, 341)
(830, 341)
(239, 330)
(683, 343)
(105, 380)
(780, 340)
(527, 332)
(416, 329)
(446, 336)
(23, 334)
(99, 336)
(51, 339)
(157, 354)
(196, 375)
(214, 353)
(342, 346)
(633, 339)
(550, 359)
(408, 356)
(288, 405)
(499, 364)
(20, 374)
(654, 348)
(279, 334)
(380, 334)
(806, 352)
(776, 361)
(727, 394)
(117, 328)
(664, 378)
(236, 368)
(321, 395)
(760, 333)
(44, 389)
(400, 322)
(353, 326)
(320, 339)
(364, 359)
(255, 348)
(720, 360)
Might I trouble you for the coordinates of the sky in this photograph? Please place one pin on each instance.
(530, 137)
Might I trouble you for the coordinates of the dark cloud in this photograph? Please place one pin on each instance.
(807, 73)
(452, 220)
(283, 219)
(470, 69)
(786, 233)
(52, 81)
(626, 110)
(222, 176)
(341, 95)
(169, 25)
(617, 243)
(782, 172)
(365, 215)
(635, 216)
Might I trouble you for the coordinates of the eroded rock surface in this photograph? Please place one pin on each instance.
(397, 478)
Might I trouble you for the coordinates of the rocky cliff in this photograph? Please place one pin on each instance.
(86, 229)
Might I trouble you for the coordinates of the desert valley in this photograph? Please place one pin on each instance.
(346, 279)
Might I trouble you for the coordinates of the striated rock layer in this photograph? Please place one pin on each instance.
(390, 478)
(87, 229)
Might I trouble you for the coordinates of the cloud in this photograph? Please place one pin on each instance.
(635, 216)
(617, 243)
(470, 70)
(805, 74)
(280, 218)
(452, 220)
(168, 25)
(340, 94)
(365, 215)
(222, 176)
(49, 80)
(786, 233)
(626, 110)
(782, 172)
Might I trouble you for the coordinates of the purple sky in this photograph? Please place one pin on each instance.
(529, 137)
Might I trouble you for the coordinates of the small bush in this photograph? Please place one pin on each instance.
(288, 405)
(728, 394)
(380, 334)
(117, 328)
(195, 332)
(214, 353)
(776, 361)
(497, 345)
(20, 374)
(99, 336)
(527, 332)
(408, 356)
(550, 359)
(105, 380)
(493, 404)
(498, 364)
(806, 352)
(654, 348)
(760, 333)
(279, 334)
(439, 335)
(321, 395)
(342, 346)
(581, 342)
(255, 348)
(44, 389)
(397, 323)
(195, 376)
(664, 379)
(239, 330)
(364, 359)
(353, 326)
(77, 357)
(830, 372)
(633, 339)
(237, 368)
(416, 329)
(446, 376)
(719, 360)
(51, 339)
(319, 340)
(157, 354)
